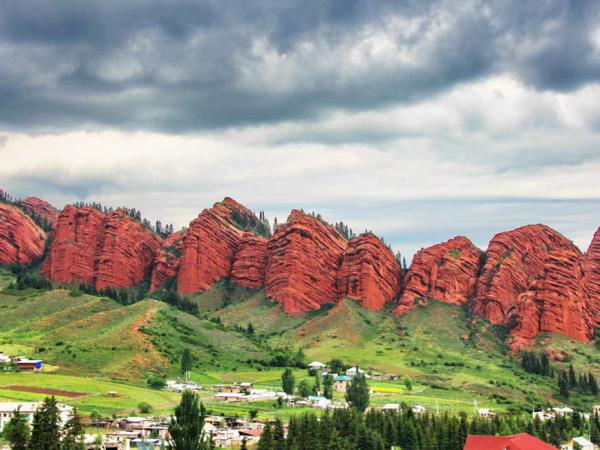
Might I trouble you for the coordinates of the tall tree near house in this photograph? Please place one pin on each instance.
(328, 386)
(288, 381)
(45, 433)
(186, 427)
(73, 433)
(187, 361)
(357, 392)
(17, 431)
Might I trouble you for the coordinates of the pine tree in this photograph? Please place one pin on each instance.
(328, 386)
(187, 361)
(186, 427)
(73, 433)
(278, 436)
(45, 433)
(572, 377)
(17, 431)
(357, 392)
(563, 384)
(266, 441)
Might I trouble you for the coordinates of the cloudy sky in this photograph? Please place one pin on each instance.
(417, 119)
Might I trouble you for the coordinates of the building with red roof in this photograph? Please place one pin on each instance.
(521, 441)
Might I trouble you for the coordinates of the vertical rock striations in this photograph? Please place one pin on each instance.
(250, 261)
(303, 258)
(166, 261)
(446, 272)
(210, 245)
(591, 267)
(41, 209)
(513, 260)
(22, 241)
(369, 272)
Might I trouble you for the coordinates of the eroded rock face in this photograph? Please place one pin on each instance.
(591, 267)
(21, 240)
(514, 259)
(557, 301)
(76, 245)
(128, 251)
(446, 272)
(210, 245)
(250, 261)
(102, 250)
(369, 272)
(303, 258)
(166, 261)
(40, 208)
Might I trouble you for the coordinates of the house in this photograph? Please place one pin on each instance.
(31, 365)
(485, 412)
(316, 365)
(319, 402)
(340, 382)
(566, 411)
(4, 359)
(353, 371)
(418, 409)
(521, 441)
(583, 443)
(28, 409)
(391, 407)
(229, 397)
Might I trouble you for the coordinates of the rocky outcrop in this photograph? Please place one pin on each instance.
(446, 272)
(557, 301)
(250, 261)
(513, 260)
(102, 250)
(22, 241)
(210, 245)
(166, 261)
(369, 273)
(303, 258)
(591, 267)
(76, 246)
(40, 209)
(127, 254)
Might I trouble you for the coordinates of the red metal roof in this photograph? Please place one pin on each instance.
(521, 441)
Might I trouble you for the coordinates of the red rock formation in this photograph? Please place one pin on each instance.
(557, 301)
(21, 240)
(250, 261)
(591, 266)
(303, 258)
(514, 259)
(211, 243)
(127, 253)
(102, 250)
(369, 272)
(40, 208)
(166, 261)
(76, 245)
(446, 272)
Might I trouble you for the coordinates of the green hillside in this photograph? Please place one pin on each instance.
(452, 358)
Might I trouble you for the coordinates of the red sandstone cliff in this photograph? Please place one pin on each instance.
(211, 243)
(591, 266)
(40, 208)
(127, 252)
(102, 250)
(514, 259)
(369, 272)
(166, 261)
(557, 301)
(21, 240)
(303, 258)
(446, 272)
(250, 261)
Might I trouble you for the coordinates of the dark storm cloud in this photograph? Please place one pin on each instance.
(184, 66)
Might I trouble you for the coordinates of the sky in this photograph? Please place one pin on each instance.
(419, 120)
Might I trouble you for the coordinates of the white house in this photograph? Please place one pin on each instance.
(319, 402)
(391, 407)
(353, 371)
(316, 365)
(28, 409)
(485, 412)
(4, 359)
(583, 443)
(418, 409)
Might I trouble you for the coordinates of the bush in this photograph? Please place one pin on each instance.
(144, 407)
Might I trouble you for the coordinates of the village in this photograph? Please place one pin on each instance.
(151, 431)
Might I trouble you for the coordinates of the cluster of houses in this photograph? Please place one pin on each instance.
(27, 410)
(553, 413)
(22, 363)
